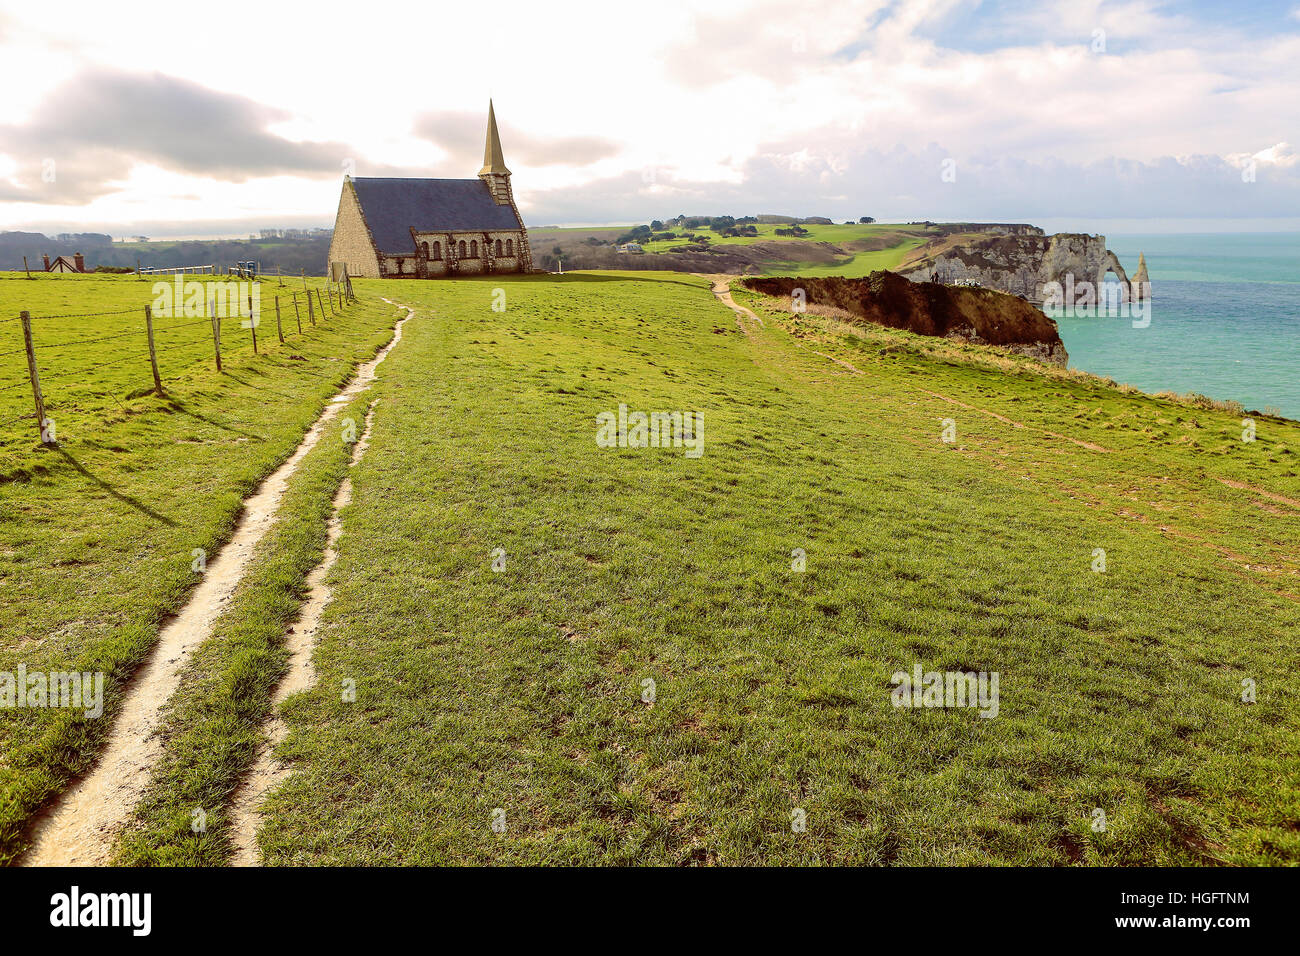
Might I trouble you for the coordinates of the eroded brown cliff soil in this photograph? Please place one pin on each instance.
(930, 308)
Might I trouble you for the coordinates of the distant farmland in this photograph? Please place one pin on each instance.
(847, 250)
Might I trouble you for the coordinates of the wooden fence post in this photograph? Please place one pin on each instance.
(322, 305)
(216, 328)
(311, 313)
(25, 269)
(279, 329)
(296, 314)
(35, 376)
(153, 354)
(252, 322)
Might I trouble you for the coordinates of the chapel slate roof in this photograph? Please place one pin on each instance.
(392, 207)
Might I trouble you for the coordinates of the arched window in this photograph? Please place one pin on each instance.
(510, 247)
(437, 250)
(498, 247)
(424, 248)
(462, 248)
(473, 248)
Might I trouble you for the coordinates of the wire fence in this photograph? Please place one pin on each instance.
(167, 338)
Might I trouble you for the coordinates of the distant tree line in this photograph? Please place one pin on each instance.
(289, 254)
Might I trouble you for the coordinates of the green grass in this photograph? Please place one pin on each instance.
(836, 233)
(855, 264)
(521, 690)
(97, 533)
(88, 364)
(860, 264)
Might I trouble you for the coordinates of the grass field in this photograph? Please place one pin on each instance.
(859, 257)
(837, 233)
(522, 690)
(97, 534)
(858, 265)
(92, 348)
(520, 694)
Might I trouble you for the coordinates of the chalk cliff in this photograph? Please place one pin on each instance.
(1023, 264)
(981, 316)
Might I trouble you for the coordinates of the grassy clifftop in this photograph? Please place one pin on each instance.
(631, 654)
(629, 570)
(824, 250)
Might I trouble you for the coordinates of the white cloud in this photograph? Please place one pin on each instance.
(751, 101)
(1280, 154)
(905, 184)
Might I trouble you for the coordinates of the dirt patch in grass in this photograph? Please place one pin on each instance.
(267, 771)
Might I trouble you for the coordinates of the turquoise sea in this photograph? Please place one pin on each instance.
(1225, 320)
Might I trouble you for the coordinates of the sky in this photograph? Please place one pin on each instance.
(162, 119)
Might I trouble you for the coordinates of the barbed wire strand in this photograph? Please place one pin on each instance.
(88, 315)
(97, 338)
(62, 376)
(183, 325)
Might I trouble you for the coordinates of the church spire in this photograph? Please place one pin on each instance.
(494, 162)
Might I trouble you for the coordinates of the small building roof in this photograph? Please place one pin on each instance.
(393, 207)
(63, 264)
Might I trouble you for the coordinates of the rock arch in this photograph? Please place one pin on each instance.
(1110, 263)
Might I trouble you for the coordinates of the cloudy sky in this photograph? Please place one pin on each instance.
(165, 119)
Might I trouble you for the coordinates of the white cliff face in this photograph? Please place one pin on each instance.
(1023, 265)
